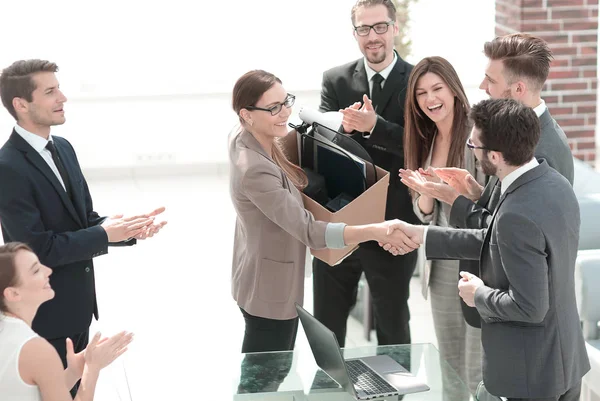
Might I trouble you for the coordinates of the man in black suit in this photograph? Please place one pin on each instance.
(45, 203)
(370, 93)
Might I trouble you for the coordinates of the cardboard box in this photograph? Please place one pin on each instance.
(367, 208)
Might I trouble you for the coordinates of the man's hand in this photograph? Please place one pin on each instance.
(426, 186)
(462, 181)
(153, 228)
(119, 228)
(357, 118)
(401, 238)
(467, 285)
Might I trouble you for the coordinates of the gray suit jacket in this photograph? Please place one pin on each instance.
(272, 231)
(465, 213)
(532, 339)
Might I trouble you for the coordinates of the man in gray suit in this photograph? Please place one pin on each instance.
(518, 68)
(532, 340)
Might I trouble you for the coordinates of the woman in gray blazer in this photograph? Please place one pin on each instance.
(272, 228)
(435, 135)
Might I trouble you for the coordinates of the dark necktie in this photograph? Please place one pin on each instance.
(376, 92)
(61, 168)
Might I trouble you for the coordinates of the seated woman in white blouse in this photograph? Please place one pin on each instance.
(30, 368)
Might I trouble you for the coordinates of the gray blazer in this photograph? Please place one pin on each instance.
(272, 232)
(465, 213)
(532, 339)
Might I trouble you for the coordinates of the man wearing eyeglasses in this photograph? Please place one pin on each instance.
(370, 93)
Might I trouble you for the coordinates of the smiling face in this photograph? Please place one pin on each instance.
(378, 49)
(434, 97)
(265, 124)
(32, 286)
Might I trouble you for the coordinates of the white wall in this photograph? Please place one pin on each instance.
(149, 82)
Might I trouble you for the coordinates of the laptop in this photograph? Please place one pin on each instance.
(364, 378)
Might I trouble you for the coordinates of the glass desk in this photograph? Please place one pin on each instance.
(294, 376)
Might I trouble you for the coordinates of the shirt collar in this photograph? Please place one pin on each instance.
(512, 177)
(540, 108)
(384, 73)
(36, 141)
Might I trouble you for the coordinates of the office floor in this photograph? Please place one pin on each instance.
(173, 292)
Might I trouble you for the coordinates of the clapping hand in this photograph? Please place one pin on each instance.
(357, 118)
(462, 181)
(152, 229)
(428, 183)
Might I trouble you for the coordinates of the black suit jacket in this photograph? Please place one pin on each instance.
(64, 233)
(346, 84)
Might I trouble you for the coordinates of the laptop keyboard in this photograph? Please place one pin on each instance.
(365, 379)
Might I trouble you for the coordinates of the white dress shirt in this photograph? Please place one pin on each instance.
(39, 144)
(540, 108)
(512, 177)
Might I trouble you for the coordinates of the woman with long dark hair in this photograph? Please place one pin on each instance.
(435, 135)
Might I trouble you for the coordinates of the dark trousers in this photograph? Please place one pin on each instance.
(572, 394)
(80, 342)
(335, 290)
(262, 334)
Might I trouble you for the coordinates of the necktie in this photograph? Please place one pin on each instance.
(61, 168)
(376, 92)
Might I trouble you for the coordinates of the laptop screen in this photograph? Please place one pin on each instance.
(326, 350)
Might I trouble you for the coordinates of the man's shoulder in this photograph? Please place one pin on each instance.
(344, 70)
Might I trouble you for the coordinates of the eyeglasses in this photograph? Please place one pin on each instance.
(274, 110)
(379, 28)
(471, 146)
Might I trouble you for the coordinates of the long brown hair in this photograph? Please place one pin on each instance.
(419, 129)
(8, 270)
(248, 89)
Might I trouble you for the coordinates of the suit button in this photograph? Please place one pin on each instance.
(87, 269)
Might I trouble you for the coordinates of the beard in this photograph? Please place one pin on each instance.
(375, 58)
(487, 166)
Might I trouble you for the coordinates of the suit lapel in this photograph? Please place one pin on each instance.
(72, 172)
(39, 163)
(391, 84)
(359, 80)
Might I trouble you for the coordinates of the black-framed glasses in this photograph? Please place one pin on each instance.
(379, 28)
(472, 146)
(276, 109)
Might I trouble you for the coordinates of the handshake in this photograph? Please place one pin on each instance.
(398, 237)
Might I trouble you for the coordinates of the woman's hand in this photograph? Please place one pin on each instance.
(102, 352)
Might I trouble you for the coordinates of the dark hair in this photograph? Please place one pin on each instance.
(523, 56)
(389, 4)
(8, 270)
(17, 81)
(509, 127)
(419, 129)
(248, 89)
